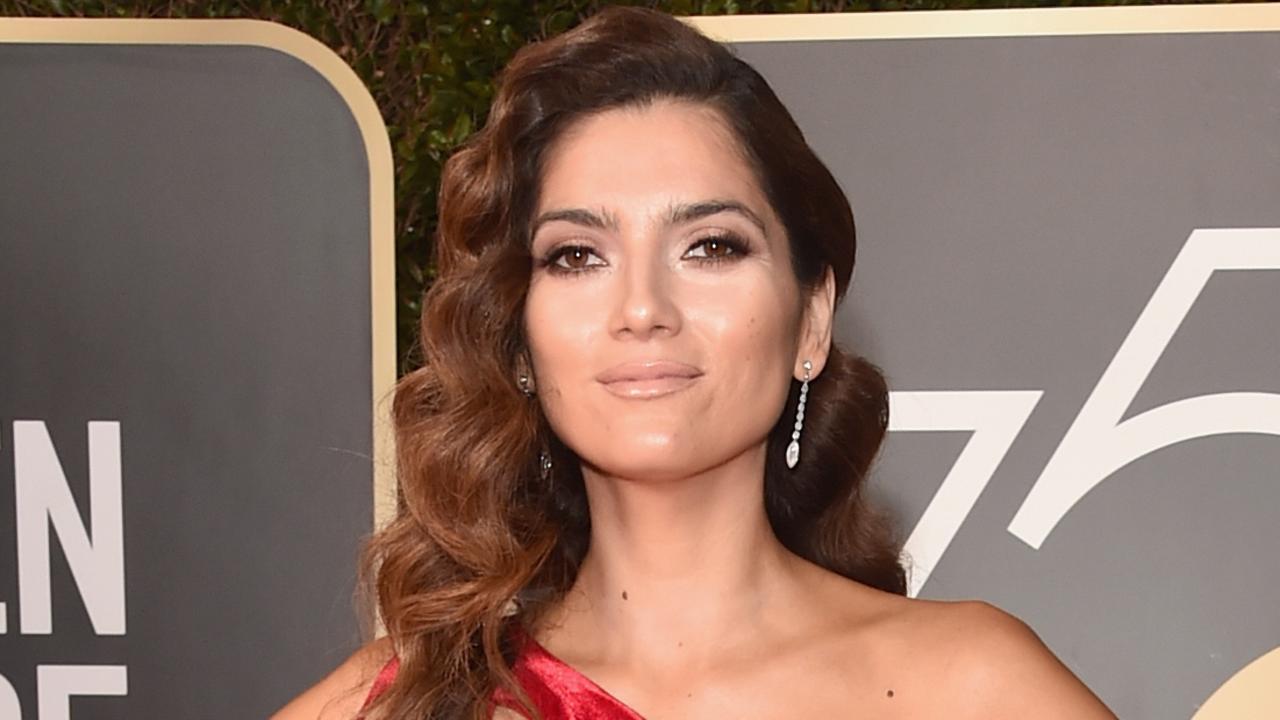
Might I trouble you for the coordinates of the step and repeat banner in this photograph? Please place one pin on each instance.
(1069, 268)
(196, 324)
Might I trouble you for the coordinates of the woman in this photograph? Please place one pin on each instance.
(631, 466)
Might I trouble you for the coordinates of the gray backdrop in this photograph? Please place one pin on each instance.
(184, 250)
(1018, 201)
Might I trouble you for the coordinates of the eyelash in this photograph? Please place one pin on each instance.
(737, 246)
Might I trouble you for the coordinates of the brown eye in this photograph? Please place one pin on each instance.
(718, 247)
(570, 259)
(576, 258)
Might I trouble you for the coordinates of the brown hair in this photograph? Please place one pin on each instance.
(476, 524)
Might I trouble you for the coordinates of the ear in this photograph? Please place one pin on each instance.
(815, 333)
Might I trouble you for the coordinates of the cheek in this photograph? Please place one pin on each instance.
(562, 329)
(752, 343)
(748, 335)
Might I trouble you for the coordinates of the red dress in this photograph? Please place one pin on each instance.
(556, 689)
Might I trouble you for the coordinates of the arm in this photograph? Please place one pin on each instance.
(340, 695)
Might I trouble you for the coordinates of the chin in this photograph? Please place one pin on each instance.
(645, 464)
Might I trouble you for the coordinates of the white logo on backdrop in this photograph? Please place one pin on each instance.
(43, 504)
(1098, 443)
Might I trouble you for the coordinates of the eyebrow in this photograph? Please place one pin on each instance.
(677, 214)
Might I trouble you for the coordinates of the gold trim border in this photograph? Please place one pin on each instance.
(1016, 22)
(317, 56)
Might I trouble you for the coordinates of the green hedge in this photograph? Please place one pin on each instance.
(430, 66)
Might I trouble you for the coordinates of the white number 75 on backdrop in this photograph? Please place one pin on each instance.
(1097, 444)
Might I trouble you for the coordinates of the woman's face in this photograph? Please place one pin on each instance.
(663, 318)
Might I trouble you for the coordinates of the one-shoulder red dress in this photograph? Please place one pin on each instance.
(556, 689)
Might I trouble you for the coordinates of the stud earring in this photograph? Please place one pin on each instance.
(524, 385)
(793, 450)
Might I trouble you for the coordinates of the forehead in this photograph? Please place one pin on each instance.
(656, 153)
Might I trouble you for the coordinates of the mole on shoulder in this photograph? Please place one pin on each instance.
(889, 694)
(624, 594)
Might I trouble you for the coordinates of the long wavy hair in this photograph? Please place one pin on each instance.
(481, 539)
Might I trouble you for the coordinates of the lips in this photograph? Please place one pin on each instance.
(648, 379)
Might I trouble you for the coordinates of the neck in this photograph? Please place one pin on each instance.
(676, 570)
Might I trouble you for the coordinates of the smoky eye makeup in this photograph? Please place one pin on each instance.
(712, 248)
(720, 246)
(561, 259)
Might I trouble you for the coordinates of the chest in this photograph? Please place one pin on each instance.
(810, 685)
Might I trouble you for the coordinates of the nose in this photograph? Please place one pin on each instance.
(644, 304)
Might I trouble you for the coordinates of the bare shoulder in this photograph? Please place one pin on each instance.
(994, 660)
(341, 693)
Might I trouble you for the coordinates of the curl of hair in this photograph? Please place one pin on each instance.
(476, 525)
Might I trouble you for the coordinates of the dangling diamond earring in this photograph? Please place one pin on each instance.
(544, 464)
(793, 450)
